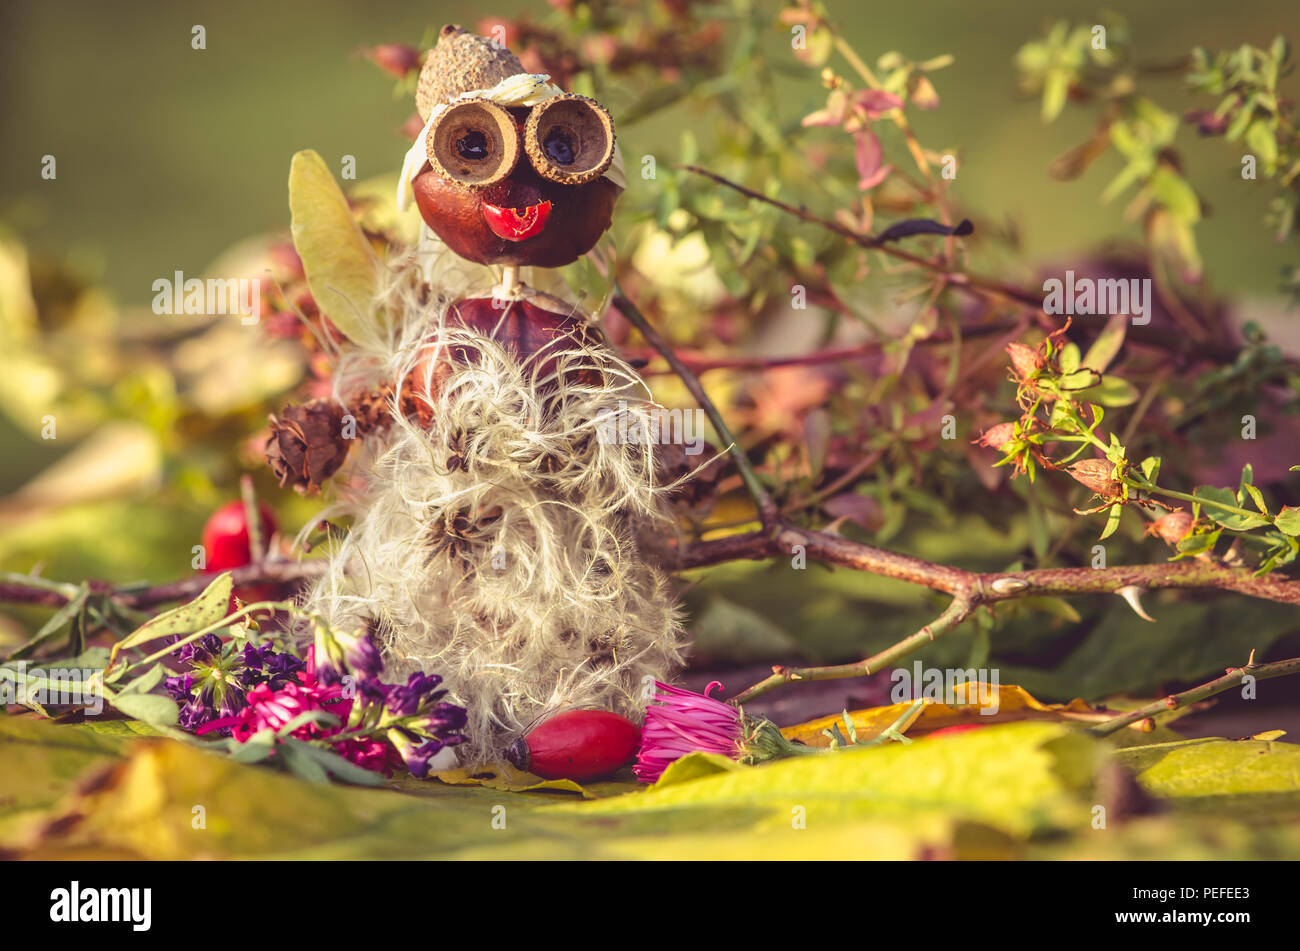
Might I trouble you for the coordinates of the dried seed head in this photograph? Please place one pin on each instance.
(1096, 474)
(306, 446)
(1026, 361)
(459, 63)
(1172, 528)
(998, 436)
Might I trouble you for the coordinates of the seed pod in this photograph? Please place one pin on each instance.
(307, 444)
(998, 436)
(1096, 474)
(1026, 361)
(577, 745)
(1172, 528)
(473, 142)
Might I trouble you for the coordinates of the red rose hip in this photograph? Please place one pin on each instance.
(577, 745)
(227, 546)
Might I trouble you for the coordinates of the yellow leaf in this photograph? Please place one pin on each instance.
(1001, 704)
(342, 272)
(505, 778)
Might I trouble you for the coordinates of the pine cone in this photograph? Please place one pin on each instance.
(307, 444)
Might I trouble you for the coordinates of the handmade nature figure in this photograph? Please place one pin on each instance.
(498, 535)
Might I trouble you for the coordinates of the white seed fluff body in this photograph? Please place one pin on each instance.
(501, 545)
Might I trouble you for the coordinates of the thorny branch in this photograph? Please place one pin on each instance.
(1233, 677)
(968, 589)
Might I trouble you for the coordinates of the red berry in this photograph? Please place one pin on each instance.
(226, 542)
(396, 59)
(577, 745)
(225, 537)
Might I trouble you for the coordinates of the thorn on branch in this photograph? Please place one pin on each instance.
(1132, 594)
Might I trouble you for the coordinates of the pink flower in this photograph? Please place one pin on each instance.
(681, 722)
(275, 709)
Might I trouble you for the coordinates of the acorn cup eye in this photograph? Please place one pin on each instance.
(473, 142)
(570, 139)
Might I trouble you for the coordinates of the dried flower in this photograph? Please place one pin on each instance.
(306, 445)
(1096, 474)
(1025, 361)
(1172, 528)
(998, 436)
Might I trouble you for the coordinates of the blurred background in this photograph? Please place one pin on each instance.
(173, 159)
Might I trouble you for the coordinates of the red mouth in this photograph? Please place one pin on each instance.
(517, 224)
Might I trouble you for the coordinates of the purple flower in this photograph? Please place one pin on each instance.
(270, 666)
(444, 718)
(420, 688)
(204, 649)
(181, 687)
(364, 659)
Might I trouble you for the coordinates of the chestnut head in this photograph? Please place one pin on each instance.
(504, 182)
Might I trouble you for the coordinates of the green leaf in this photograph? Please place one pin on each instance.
(149, 707)
(1112, 391)
(1288, 519)
(258, 748)
(1112, 521)
(299, 762)
(1056, 86)
(1082, 380)
(1261, 140)
(1199, 543)
(204, 611)
(1171, 190)
(341, 270)
(1230, 520)
(145, 682)
(696, 765)
(1107, 345)
(60, 619)
(335, 765)
(318, 717)
(1251, 778)
(1257, 497)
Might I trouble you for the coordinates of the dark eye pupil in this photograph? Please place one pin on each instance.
(473, 146)
(559, 146)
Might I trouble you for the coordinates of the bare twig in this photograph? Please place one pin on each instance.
(1231, 678)
(762, 498)
(989, 588)
(955, 278)
(24, 589)
(253, 516)
(956, 612)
